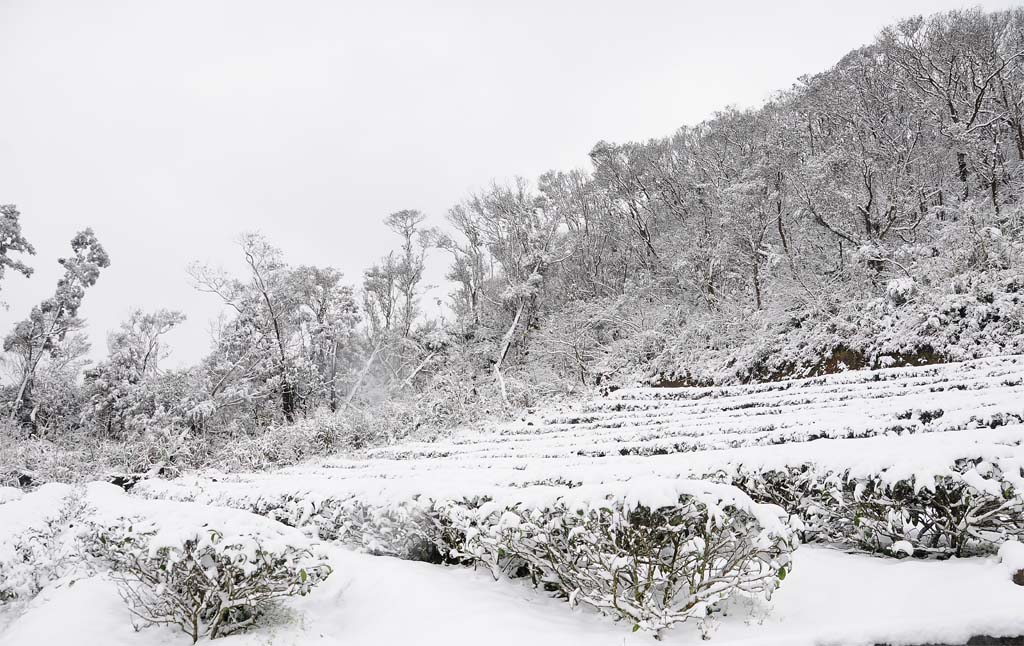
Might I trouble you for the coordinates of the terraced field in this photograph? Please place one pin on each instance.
(911, 417)
(859, 508)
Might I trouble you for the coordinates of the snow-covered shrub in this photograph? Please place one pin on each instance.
(410, 530)
(354, 428)
(29, 461)
(799, 490)
(37, 540)
(280, 445)
(899, 291)
(970, 506)
(23, 456)
(653, 566)
(415, 529)
(973, 510)
(205, 581)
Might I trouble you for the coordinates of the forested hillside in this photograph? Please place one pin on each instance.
(868, 216)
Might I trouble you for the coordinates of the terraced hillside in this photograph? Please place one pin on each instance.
(912, 412)
(865, 507)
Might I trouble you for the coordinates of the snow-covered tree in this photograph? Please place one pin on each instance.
(12, 241)
(51, 321)
(521, 235)
(123, 390)
(287, 336)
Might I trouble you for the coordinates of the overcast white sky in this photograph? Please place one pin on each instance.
(172, 126)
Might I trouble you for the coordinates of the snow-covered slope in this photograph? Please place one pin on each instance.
(640, 445)
(912, 419)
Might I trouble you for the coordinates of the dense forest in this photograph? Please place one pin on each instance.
(869, 216)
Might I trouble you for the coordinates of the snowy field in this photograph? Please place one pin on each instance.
(899, 421)
(951, 428)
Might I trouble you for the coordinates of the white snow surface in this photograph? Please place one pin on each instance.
(643, 445)
(1011, 554)
(7, 494)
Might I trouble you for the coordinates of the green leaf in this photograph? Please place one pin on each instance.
(302, 575)
(782, 574)
(636, 627)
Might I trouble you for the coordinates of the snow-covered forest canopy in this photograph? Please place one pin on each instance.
(869, 216)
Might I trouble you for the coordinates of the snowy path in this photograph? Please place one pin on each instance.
(830, 597)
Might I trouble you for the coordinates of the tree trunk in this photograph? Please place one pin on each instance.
(16, 406)
(961, 163)
(757, 284)
(362, 373)
(1020, 141)
(423, 364)
(288, 400)
(506, 344)
(23, 401)
(334, 379)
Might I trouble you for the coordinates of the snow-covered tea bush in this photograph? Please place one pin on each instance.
(653, 555)
(801, 491)
(415, 529)
(205, 581)
(970, 511)
(37, 540)
(968, 507)
(653, 566)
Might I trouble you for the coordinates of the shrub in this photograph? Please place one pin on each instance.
(38, 545)
(203, 582)
(653, 566)
(415, 529)
(801, 491)
(406, 530)
(968, 507)
(955, 515)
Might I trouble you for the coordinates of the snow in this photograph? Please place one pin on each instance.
(174, 522)
(900, 422)
(830, 597)
(22, 512)
(638, 445)
(9, 494)
(923, 456)
(1011, 554)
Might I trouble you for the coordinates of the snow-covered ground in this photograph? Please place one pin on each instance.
(912, 422)
(907, 420)
(831, 598)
